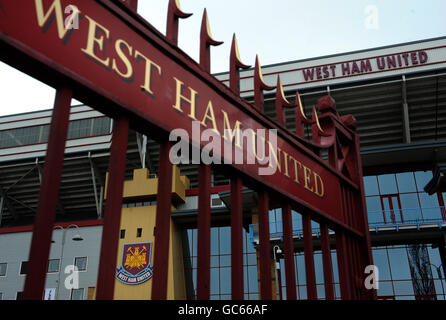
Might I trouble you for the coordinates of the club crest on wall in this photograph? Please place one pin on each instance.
(135, 263)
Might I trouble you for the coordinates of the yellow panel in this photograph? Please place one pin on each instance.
(145, 218)
(143, 186)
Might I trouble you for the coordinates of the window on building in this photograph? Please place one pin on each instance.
(400, 198)
(139, 232)
(122, 234)
(39, 134)
(79, 128)
(23, 267)
(88, 127)
(100, 126)
(24, 136)
(392, 209)
(3, 267)
(81, 263)
(77, 294)
(1, 295)
(220, 281)
(53, 265)
(19, 295)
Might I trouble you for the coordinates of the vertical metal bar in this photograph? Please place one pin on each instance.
(204, 232)
(351, 265)
(288, 250)
(355, 266)
(113, 208)
(162, 224)
(95, 190)
(327, 263)
(49, 192)
(442, 253)
(265, 248)
(359, 262)
(2, 198)
(279, 281)
(361, 214)
(405, 112)
(344, 275)
(309, 258)
(236, 239)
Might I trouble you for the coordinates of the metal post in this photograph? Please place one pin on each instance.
(112, 213)
(326, 260)
(204, 232)
(276, 250)
(309, 258)
(406, 122)
(344, 272)
(2, 199)
(288, 249)
(49, 192)
(162, 229)
(236, 239)
(265, 250)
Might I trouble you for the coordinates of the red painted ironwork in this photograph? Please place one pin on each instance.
(170, 71)
(174, 13)
(128, 80)
(327, 263)
(343, 266)
(281, 102)
(300, 117)
(132, 4)
(259, 86)
(49, 190)
(265, 247)
(162, 224)
(204, 232)
(237, 288)
(234, 65)
(112, 213)
(206, 41)
(288, 249)
(204, 184)
(309, 258)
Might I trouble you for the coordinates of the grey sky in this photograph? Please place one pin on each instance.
(276, 30)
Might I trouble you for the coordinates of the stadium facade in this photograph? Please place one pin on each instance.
(397, 95)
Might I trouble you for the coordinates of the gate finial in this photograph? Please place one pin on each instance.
(259, 86)
(281, 102)
(235, 64)
(206, 42)
(301, 119)
(174, 13)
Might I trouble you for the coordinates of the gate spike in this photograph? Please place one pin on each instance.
(316, 127)
(300, 116)
(281, 102)
(206, 42)
(235, 64)
(174, 13)
(259, 86)
(132, 4)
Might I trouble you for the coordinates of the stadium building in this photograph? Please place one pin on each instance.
(397, 95)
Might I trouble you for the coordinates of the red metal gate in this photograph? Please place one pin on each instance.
(34, 39)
